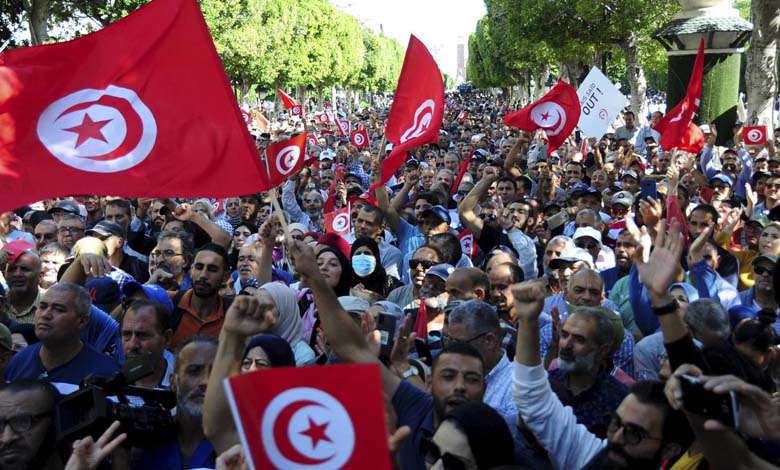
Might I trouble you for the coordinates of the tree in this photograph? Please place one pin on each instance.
(760, 76)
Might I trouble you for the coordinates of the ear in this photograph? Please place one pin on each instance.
(428, 383)
(480, 293)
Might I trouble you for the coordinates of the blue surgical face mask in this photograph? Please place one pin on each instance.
(363, 265)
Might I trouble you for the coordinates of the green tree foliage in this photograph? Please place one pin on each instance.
(263, 43)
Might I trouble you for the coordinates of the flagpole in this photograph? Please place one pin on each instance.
(5, 44)
(275, 201)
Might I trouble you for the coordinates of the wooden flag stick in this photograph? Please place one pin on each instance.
(280, 217)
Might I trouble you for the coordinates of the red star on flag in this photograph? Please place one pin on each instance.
(545, 116)
(88, 129)
(316, 433)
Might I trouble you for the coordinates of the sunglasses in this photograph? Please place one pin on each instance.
(761, 270)
(488, 216)
(586, 245)
(449, 461)
(730, 167)
(414, 263)
(773, 185)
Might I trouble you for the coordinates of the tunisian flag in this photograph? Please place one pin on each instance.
(311, 417)
(418, 107)
(141, 108)
(287, 100)
(339, 221)
(462, 171)
(284, 159)
(673, 127)
(556, 113)
(359, 138)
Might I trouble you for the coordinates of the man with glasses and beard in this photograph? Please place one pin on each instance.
(193, 361)
(170, 260)
(642, 433)
(27, 433)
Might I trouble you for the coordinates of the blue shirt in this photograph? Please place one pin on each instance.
(102, 333)
(169, 457)
(26, 364)
(414, 409)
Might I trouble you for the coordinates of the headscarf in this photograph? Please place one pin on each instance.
(488, 434)
(289, 326)
(347, 275)
(377, 280)
(277, 349)
(690, 291)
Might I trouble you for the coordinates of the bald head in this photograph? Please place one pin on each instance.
(467, 284)
(23, 274)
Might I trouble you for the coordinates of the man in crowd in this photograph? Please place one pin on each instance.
(113, 237)
(146, 334)
(22, 273)
(70, 229)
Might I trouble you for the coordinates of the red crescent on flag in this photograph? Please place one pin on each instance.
(133, 125)
(281, 426)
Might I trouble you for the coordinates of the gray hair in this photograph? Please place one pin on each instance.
(82, 302)
(187, 246)
(477, 317)
(69, 216)
(708, 315)
(54, 248)
(605, 327)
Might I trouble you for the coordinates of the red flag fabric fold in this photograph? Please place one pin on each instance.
(421, 322)
(141, 108)
(462, 171)
(418, 107)
(284, 159)
(674, 126)
(287, 100)
(556, 113)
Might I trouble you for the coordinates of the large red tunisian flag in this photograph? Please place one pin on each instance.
(556, 113)
(140, 108)
(311, 417)
(674, 126)
(287, 100)
(285, 158)
(418, 107)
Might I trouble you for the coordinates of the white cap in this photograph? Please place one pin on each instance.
(572, 256)
(587, 232)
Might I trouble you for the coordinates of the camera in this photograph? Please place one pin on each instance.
(144, 414)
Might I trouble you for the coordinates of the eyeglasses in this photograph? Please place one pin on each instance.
(448, 340)
(22, 422)
(433, 454)
(761, 270)
(165, 254)
(70, 230)
(772, 185)
(46, 236)
(730, 167)
(586, 245)
(632, 434)
(488, 216)
(413, 263)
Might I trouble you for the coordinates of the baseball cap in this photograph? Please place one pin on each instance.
(724, 178)
(630, 173)
(106, 228)
(705, 129)
(353, 304)
(412, 162)
(771, 258)
(572, 256)
(623, 198)
(17, 248)
(67, 206)
(6, 342)
(439, 211)
(484, 154)
(587, 232)
(388, 147)
(580, 189)
(327, 154)
(442, 271)
(152, 292)
(104, 292)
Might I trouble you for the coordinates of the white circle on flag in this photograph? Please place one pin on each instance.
(306, 428)
(755, 135)
(287, 158)
(422, 120)
(359, 139)
(341, 222)
(100, 131)
(550, 116)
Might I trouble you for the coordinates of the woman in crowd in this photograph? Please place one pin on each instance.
(371, 281)
(288, 319)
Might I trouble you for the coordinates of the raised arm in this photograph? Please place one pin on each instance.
(511, 159)
(263, 250)
(219, 236)
(467, 207)
(344, 335)
(246, 317)
(85, 267)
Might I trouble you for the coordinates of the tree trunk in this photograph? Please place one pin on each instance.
(760, 77)
(636, 78)
(38, 21)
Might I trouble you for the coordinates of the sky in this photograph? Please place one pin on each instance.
(439, 24)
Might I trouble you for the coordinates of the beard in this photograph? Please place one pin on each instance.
(603, 461)
(569, 363)
(187, 404)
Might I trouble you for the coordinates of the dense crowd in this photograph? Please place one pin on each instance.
(605, 304)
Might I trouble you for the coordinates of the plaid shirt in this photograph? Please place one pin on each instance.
(357, 168)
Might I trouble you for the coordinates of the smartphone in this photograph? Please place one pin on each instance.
(648, 187)
(723, 408)
(385, 323)
(423, 350)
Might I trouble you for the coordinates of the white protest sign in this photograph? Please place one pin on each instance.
(600, 102)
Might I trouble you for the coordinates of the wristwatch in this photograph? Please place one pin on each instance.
(409, 372)
(671, 307)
